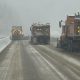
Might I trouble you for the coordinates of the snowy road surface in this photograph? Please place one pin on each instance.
(22, 61)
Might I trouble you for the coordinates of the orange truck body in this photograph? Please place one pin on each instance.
(70, 37)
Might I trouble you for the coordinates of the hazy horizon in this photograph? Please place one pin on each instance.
(25, 12)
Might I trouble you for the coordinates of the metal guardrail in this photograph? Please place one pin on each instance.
(2, 37)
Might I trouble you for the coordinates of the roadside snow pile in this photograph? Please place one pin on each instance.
(4, 42)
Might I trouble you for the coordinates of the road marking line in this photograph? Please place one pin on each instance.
(68, 58)
(57, 71)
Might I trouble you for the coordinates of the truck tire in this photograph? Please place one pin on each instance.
(70, 46)
(34, 40)
(58, 44)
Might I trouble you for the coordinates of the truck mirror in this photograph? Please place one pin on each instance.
(60, 24)
(30, 29)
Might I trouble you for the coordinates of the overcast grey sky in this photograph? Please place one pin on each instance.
(25, 12)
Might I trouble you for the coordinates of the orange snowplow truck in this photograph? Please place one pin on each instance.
(70, 37)
(16, 33)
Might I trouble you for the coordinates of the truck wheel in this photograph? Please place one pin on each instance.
(58, 44)
(34, 40)
(69, 47)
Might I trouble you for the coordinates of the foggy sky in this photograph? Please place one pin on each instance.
(25, 12)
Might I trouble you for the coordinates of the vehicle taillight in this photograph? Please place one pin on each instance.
(78, 30)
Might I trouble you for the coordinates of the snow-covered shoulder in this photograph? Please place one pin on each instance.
(4, 42)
